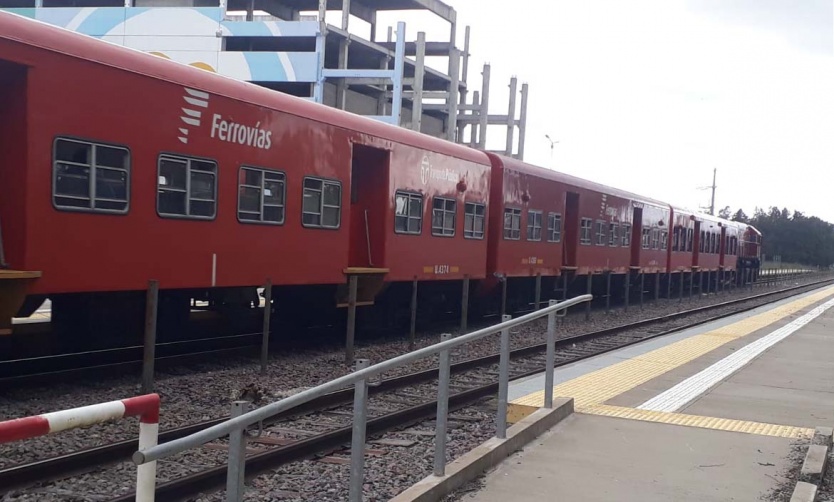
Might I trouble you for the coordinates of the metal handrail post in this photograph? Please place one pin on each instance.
(237, 457)
(357, 446)
(503, 381)
(442, 410)
(551, 356)
(266, 319)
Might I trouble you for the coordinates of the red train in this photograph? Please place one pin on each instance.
(120, 167)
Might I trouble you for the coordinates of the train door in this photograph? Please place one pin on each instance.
(636, 236)
(369, 206)
(697, 245)
(571, 236)
(722, 246)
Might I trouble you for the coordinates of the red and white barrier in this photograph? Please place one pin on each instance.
(145, 407)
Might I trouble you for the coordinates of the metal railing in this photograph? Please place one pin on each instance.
(235, 427)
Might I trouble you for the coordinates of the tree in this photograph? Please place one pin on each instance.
(725, 213)
(740, 216)
(794, 236)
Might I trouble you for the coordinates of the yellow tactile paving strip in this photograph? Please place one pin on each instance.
(592, 390)
(722, 424)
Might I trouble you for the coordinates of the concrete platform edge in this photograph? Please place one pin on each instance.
(487, 455)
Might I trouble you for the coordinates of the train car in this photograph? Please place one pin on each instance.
(682, 249)
(750, 251)
(548, 224)
(709, 233)
(126, 168)
(730, 245)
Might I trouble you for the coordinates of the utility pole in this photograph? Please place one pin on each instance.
(712, 200)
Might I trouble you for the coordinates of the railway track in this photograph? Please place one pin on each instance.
(472, 386)
(46, 369)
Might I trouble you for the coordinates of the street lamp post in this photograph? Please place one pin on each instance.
(552, 144)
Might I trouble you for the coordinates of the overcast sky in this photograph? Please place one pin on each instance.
(650, 95)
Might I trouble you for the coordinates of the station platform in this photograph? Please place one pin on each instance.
(714, 412)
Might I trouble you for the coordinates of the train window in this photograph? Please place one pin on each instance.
(260, 196)
(613, 237)
(655, 237)
(89, 176)
(626, 235)
(647, 238)
(512, 223)
(601, 240)
(443, 214)
(554, 227)
(585, 231)
(322, 203)
(664, 239)
(186, 187)
(534, 225)
(408, 213)
(474, 215)
(701, 243)
(676, 235)
(689, 233)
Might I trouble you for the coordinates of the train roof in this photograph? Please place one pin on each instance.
(574, 181)
(35, 33)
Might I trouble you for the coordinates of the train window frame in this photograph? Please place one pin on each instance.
(646, 237)
(471, 232)
(408, 217)
(655, 237)
(690, 237)
(283, 205)
(601, 233)
(554, 231)
(187, 160)
(664, 240)
(534, 216)
(322, 204)
(91, 177)
(701, 242)
(445, 212)
(613, 235)
(515, 217)
(626, 237)
(586, 240)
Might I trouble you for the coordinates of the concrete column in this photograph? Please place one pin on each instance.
(484, 109)
(454, 89)
(511, 117)
(419, 71)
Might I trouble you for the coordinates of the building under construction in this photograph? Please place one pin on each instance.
(288, 46)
